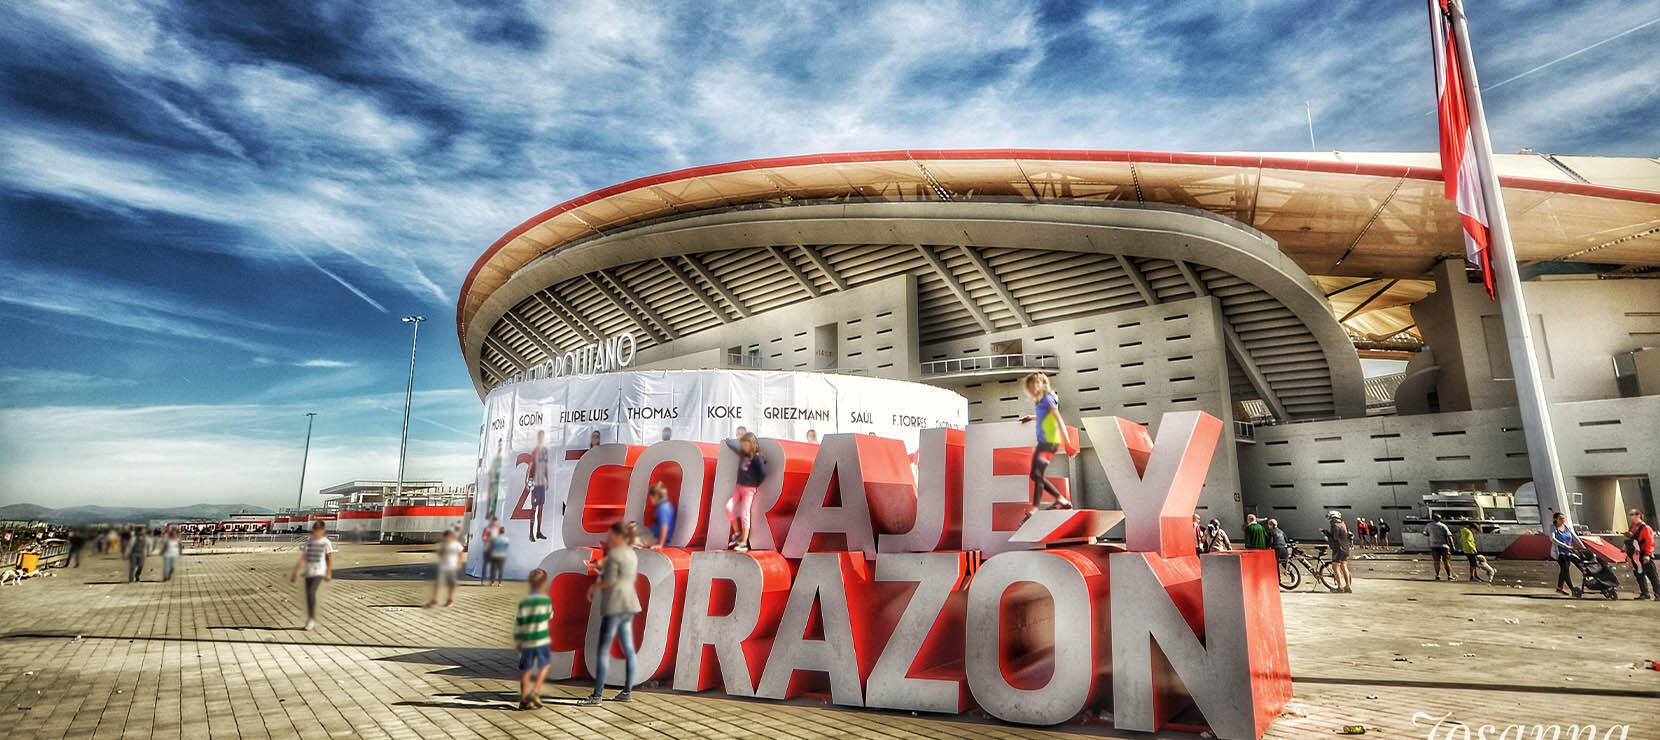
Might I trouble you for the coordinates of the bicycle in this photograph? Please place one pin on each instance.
(1291, 568)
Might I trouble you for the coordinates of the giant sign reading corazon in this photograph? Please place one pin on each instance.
(881, 588)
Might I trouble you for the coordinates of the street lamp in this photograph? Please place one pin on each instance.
(309, 417)
(408, 395)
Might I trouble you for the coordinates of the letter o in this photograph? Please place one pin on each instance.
(1070, 684)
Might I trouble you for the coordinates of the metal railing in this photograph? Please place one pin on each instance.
(735, 359)
(990, 362)
(1244, 430)
(1380, 391)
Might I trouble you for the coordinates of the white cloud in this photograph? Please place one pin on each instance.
(325, 363)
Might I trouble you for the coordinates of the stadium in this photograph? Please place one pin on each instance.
(1249, 286)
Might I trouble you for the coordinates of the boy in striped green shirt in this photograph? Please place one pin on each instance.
(530, 635)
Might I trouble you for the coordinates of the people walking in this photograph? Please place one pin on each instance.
(662, 514)
(495, 556)
(531, 638)
(137, 549)
(1363, 532)
(1383, 533)
(1467, 546)
(1051, 433)
(450, 559)
(1562, 543)
(1639, 545)
(170, 552)
(76, 542)
(1337, 535)
(752, 471)
(619, 602)
(317, 562)
(1440, 546)
(1256, 536)
(1200, 544)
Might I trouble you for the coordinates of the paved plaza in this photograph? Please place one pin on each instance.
(218, 653)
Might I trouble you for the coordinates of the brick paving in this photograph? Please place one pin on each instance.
(217, 654)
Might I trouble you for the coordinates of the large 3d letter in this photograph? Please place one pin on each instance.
(939, 496)
(998, 656)
(841, 460)
(891, 685)
(1236, 669)
(831, 580)
(733, 624)
(665, 575)
(598, 493)
(688, 472)
(568, 579)
(996, 491)
(1157, 484)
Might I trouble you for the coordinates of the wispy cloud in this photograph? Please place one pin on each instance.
(121, 304)
(325, 363)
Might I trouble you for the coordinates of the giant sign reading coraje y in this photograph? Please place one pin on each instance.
(879, 584)
(535, 431)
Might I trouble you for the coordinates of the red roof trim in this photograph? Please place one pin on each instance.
(1085, 155)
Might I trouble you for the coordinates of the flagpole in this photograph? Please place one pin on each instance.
(1530, 392)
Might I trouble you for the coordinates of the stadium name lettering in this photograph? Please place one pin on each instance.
(605, 355)
(882, 587)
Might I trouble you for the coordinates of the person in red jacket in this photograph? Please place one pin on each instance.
(1639, 549)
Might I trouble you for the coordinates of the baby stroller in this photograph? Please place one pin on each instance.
(1596, 573)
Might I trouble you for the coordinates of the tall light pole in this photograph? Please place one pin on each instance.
(310, 416)
(408, 395)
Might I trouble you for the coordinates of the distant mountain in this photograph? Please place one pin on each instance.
(77, 515)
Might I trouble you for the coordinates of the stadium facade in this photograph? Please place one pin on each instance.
(1249, 286)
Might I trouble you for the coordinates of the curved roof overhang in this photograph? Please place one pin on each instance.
(1238, 257)
(1332, 217)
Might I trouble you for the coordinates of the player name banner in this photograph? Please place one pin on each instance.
(549, 423)
(876, 581)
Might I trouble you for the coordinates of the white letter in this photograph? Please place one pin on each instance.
(1073, 676)
(819, 578)
(889, 685)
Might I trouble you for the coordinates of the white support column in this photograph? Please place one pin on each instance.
(1518, 330)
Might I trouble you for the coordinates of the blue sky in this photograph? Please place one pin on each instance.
(212, 214)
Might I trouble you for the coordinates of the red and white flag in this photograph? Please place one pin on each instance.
(1458, 158)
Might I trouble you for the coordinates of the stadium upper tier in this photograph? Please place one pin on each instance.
(1341, 219)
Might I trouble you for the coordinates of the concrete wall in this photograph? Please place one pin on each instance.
(1578, 324)
(1380, 466)
(1136, 364)
(876, 334)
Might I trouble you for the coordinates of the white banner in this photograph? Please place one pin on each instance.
(640, 407)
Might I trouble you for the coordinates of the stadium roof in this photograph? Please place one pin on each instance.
(1342, 217)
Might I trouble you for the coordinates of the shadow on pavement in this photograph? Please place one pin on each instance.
(465, 662)
(245, 628)
(408, 572)
(1547, 597)
(1471, 686)
(494, 700)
